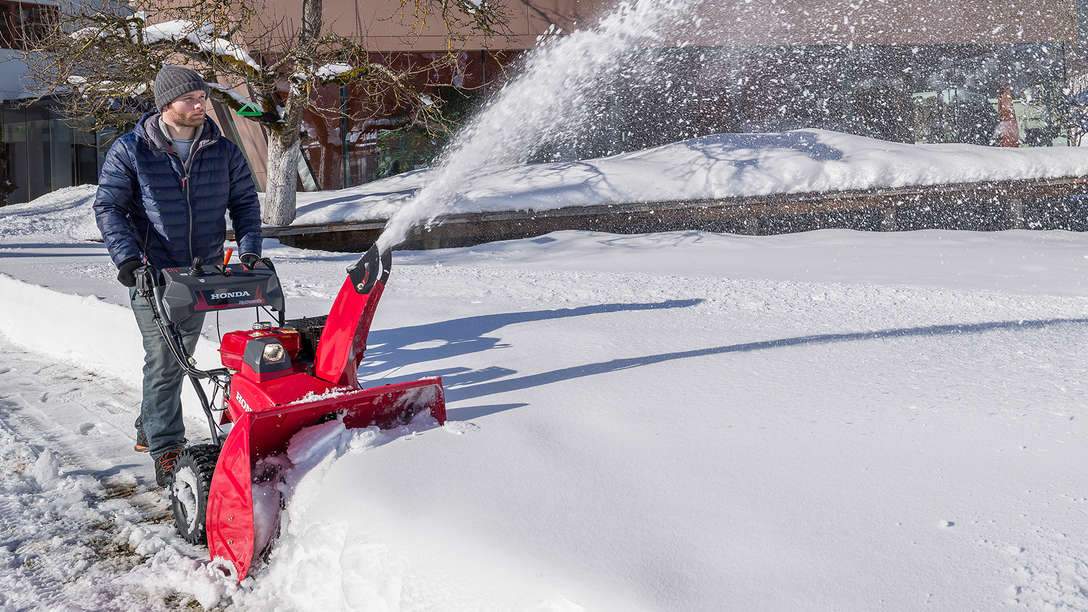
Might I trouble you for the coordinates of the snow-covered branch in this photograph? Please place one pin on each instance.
(329, 72)
(201, 36)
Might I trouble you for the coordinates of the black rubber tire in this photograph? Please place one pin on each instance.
(198, 462)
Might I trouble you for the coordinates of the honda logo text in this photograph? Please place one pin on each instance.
(226, 295)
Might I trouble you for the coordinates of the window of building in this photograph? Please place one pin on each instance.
(21, 23)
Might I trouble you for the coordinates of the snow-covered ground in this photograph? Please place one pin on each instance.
(83, 526)
(680, 421)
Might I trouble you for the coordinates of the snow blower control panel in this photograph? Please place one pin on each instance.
(187, 291)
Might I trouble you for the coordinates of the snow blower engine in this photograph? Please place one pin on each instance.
(276, 379)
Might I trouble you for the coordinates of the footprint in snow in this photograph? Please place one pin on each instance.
(460, 428)
(111, 407)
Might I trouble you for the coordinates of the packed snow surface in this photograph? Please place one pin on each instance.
(829, 420)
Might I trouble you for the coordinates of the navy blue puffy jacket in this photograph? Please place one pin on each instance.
(146, 207)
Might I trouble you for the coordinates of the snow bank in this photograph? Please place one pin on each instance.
(85, 331)
(716, 166)
(65, 212)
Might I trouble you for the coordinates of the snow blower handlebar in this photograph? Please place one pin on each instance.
(176, 294)
(149, 285)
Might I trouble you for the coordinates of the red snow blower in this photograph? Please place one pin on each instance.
(276, 379)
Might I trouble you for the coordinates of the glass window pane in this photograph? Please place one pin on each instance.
(38, 156)
(13, 154)
(62, 161)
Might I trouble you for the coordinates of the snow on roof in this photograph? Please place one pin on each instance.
(112, 87)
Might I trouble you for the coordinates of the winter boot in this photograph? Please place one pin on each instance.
(141, 438)
(164, 466)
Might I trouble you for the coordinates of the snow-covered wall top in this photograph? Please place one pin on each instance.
(711, 167)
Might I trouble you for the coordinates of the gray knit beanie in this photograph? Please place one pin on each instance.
(173, 82)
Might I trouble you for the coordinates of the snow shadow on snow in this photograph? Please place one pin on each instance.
(746, 151)
(393, 348)
(572, 178)
(15, 249)
(352, 201)
(103, 474)
(460, 391)
(801, 141)
(53, 245)
(469, 413)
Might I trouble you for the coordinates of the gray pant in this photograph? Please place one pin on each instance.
(160, 411)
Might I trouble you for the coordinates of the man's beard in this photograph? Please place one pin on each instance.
(192, 120)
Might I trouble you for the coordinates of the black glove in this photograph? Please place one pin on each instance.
(126, 272)
(249, 260)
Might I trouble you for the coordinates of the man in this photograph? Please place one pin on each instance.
(163, 194)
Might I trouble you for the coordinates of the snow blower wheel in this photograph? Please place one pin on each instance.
(189, 493)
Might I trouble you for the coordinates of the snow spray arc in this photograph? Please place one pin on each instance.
(549, 93)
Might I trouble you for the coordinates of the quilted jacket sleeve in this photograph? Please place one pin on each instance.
(115, 202)
(244, 207)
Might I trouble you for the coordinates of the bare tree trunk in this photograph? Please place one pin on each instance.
(279, 200)
(283, 144)
(311, 23)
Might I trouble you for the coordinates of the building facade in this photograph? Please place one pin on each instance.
(39, 150)
(907, 71)
(924, 71)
